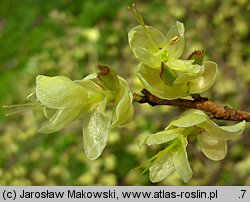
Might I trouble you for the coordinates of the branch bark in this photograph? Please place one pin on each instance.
(215, 110)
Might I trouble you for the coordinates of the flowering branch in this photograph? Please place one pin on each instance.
(215, 110)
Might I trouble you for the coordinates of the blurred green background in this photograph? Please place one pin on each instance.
(70, 37)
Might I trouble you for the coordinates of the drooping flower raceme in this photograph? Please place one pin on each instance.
(161, 71)
(211, 138)
(102, 107)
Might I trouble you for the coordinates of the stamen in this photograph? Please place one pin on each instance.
(32, 97)
(200, 130)
(174, 40)
(14, 109)
(139, 19)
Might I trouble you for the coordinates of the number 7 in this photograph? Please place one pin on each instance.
(243, 193)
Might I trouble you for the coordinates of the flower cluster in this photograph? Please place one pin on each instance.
(161, 71)
(104, 101)
(164, 74)
(193, 124)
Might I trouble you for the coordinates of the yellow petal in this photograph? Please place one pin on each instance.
(124, 109)
(206, 80)
(214, 149)
(181, 163)
(59, 120)
(60, 92)
(175, 40)
(151, 80)
(95, 133)
(161, 168)
(142, 47)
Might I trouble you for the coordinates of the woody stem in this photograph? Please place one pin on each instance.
(215, 110)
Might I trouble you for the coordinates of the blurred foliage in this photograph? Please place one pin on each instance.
(69, 38)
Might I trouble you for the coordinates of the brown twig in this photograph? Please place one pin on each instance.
(215, 110)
